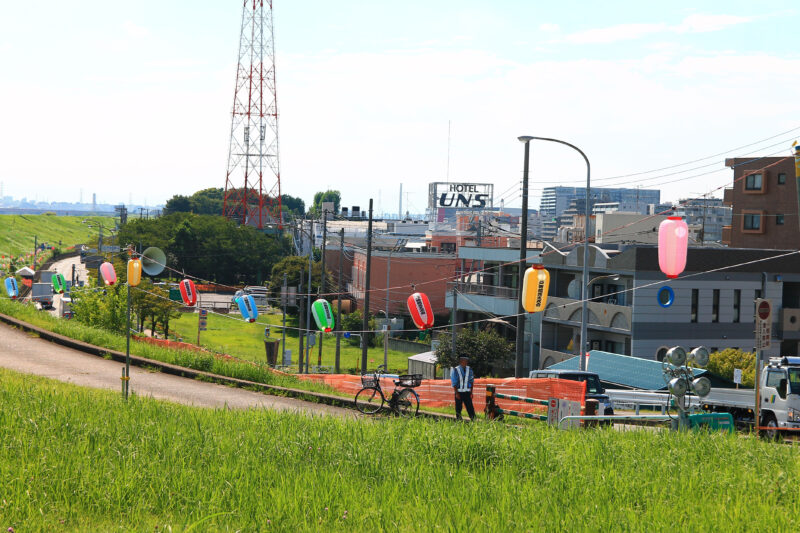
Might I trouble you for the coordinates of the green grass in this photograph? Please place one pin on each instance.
(185, 358)
(76, 459)
(17, 231)
(246, 341)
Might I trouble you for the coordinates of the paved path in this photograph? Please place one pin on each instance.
(23, 353)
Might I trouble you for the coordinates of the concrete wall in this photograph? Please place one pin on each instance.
(656, 327)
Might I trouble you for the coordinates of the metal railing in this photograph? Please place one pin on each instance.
(483, 290)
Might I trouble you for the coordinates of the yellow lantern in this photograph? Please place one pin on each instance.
(134, 272)
(534, 289)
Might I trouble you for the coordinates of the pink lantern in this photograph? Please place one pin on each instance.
(673, 242)
(108, 273)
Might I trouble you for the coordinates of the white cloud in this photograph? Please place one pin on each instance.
(696, 23)
(134, 30)
(700, 23)
(612, 34)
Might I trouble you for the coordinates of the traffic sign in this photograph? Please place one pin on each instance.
(109, 248)
(764, 309)
(202, 321)
(737, 376)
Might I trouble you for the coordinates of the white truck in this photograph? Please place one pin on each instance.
(780, 398)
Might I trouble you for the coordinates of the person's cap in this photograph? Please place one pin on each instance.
(463, 357)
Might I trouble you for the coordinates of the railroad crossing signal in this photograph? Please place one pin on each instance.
(763, 324)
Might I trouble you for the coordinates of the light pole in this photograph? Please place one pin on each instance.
(523, 251)
(588, 211)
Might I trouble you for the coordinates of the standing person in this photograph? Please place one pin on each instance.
(462, 378)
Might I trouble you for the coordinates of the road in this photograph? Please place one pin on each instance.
(64, 267)
(31, 355)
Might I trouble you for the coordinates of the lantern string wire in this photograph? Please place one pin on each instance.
(493, 318)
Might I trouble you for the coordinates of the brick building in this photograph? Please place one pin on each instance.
(429, 272)
(764, 201)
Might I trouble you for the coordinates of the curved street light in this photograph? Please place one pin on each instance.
(527, 139)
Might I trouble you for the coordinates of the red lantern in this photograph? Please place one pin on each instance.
(188, 292)
(420, 308)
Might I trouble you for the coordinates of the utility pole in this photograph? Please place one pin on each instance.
(759, 357)
(339, 303)
(322, 284)
(523, 251)
(308, 300)
(703, 230)
(365, 318)
(284, 298)
(386, 312)
(453, 319)
(300, 319)
(35, 247)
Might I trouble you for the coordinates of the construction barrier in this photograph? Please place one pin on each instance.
(439, 392)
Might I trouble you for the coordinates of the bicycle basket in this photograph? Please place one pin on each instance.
(410, 380)
(369, 380)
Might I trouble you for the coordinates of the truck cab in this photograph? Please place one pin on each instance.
(594, 390)
(780, 393)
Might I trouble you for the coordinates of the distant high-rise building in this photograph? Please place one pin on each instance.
(556, 200)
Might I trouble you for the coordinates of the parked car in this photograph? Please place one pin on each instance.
(594, 390)
(258, 293)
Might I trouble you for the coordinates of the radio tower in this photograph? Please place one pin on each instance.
(253, 179)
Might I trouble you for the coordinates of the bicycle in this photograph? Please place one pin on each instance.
(404, 400)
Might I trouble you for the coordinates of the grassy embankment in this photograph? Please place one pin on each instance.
(246, 341)
(17, 231)
(83, 460)
(185, 358)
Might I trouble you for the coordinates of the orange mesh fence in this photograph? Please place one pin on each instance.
(177, 345)
(439, 392)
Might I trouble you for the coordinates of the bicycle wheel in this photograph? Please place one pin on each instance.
(369, 400)
(407, 403)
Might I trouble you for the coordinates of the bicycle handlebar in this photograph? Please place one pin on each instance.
(379, 368)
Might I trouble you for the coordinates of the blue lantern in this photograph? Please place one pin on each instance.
(11, 288)
(247, 307)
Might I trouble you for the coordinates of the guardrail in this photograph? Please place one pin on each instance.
(494, 411)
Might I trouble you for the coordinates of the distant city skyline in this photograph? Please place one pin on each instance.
(133, 101)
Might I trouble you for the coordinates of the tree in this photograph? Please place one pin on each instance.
(354, 322)
(210, 247)
(178, 204)
(327, 196)
(294, 267)
(722, 364)
(486, 350)
(208, 201)
(293, 205)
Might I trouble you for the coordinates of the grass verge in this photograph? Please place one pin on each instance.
(75, 459)
(184, 358)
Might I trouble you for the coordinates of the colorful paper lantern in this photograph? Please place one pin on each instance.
(247, 307)
(188, 292)
(134, 272)
(59, 285)
(420, 308)
(323, 315)
(535, 286)
(673, 243)
(108, 273)
(11, 288)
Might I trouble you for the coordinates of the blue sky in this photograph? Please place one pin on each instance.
(132, 100)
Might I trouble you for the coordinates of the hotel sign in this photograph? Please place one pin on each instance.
(459, 195)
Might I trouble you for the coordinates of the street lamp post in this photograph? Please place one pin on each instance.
(584, 309)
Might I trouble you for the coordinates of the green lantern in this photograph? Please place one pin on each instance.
(323, 315)
(59, 285)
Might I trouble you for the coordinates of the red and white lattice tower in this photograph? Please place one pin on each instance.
(253, 180)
